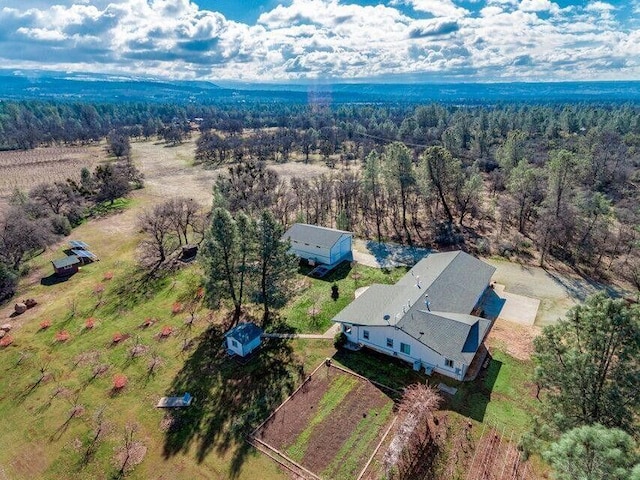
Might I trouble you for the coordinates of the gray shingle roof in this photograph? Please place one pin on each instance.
(454, 336)
(244, 332)
(314, 235)
(452, 283)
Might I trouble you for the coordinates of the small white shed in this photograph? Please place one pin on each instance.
(319, 244)
(243, 338)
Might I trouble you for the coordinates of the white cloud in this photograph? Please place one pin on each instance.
(599, 7)
(506, 39)
(539, 6)
(437, 8)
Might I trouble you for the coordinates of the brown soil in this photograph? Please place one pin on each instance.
(514, 339)
(292, 418)
(497, 458)
(328, 437)
(331, 434)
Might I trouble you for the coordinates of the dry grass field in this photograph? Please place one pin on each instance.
(23, 169)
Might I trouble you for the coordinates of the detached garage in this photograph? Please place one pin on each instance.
(319, 244)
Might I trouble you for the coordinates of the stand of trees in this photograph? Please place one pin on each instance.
(243, 259)
(556, 181)
(167, 227)
(588, 371)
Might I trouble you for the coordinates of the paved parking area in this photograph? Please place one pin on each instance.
(517, 308)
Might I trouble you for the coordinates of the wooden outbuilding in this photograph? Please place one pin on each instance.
(66, 266)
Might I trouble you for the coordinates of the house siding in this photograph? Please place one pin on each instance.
(341, 249)
(319, 254)
(243, 350)
(311, 252)
(419, 352)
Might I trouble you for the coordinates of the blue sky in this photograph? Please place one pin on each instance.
(327, 40)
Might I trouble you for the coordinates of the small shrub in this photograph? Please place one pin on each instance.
(339, 340)
(62, 336)
(60, 225)
(138, 350)
(6, 341)
(483, 246)
(176, 308)
(108, 276)
(45, 324)
(120, 381)
(118, 337)
(100, 369)
(90, 323)
(166, 331)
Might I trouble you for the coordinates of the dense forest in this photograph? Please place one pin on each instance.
(543, 182)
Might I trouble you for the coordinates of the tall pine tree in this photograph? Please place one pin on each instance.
(588, 366)
(227, 251)
(275, 264)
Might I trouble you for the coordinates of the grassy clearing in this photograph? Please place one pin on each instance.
(315, 295)
(204, 439)
(501, 397)
(338, 390)
(109, 208)
(207, 441)
(359, 445)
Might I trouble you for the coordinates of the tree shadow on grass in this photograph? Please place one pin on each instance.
(380, 368)
(339, 272)
(135, 287)
(229, 399)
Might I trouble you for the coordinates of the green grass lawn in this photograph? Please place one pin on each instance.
(45, 441)
(502, 396)
(313, 308)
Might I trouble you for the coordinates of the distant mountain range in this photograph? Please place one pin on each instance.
(32, 85)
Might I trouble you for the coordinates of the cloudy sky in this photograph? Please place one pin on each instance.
(327, 40)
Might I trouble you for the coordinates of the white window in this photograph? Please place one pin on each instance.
(365, 334)
(390, 342)
(346, 329)
(448, 363)
(405, 348)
